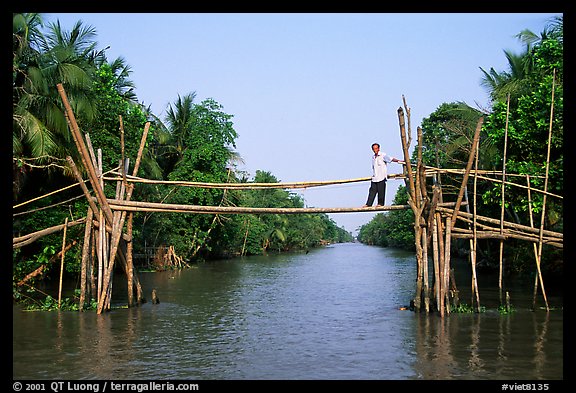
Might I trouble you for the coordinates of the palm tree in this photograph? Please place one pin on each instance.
(173, 133)
(521, 66)
(122, 84)
(41, 61)
(513, 82)
(179, 118)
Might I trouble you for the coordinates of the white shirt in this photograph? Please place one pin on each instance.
(380, 167)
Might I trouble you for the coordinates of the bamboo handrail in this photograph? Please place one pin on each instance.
(508, 224)
(178, 208)
(242, 186)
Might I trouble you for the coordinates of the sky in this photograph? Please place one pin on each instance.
(310, 92)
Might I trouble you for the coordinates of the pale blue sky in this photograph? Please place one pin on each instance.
(310, 92)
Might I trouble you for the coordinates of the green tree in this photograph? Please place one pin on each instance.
(199, 148)
(516, 81)
(391, 229)
(528, 132)
(529, 122)
(40, 132)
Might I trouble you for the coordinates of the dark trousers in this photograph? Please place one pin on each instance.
(377, 188)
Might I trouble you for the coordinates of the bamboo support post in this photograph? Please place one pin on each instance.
(62, 262)
(472, 242)
(86, 246)
(100, 254)
(441, 263)
(501, 251)
(408, 166)
(447, 269)
(475, 226)
(535, 249)
(93, 267)
(86, 160)
(436, 262)
(543, 214)
(78, 176)
(468, 167)
(425, 283)
(117, 227)
(413, 202)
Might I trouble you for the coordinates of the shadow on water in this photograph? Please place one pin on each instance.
(330, 314)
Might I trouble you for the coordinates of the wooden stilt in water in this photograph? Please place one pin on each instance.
(475, 297)
(501, 253)
(543, 216)
(441, 262)
(436, 263)
(538, 275)
(62, 262)
(84, 265)
(425, 284)
(447, 264)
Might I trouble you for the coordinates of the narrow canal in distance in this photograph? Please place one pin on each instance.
(332, 313)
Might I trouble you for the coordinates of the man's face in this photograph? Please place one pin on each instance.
(375, 149)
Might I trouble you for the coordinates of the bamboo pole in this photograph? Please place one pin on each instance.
(91, 149)
(130, 245)
(75, 131)
(62, 262)
(181, 208)
(41, 268)
(104, 300)
(116, 235)
(247, 222)
(474, 226)
(407, 165)
(78, 176)
(507, 224)
(93, 266)
(130, 263)
(474, 284)
(494, 234)
(501, 253)
(536, 255)
(417, 208)
(251, 185)
(447, 263)
(468, 167)
(543, 214)
(425, 283)
(436, 263)
(21, 241)
(440, 283)
(100, 254)
(407, 108)
(85, 258)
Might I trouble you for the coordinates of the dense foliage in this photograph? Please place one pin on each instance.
(391, 229)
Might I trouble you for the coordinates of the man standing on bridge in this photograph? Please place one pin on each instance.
(379, 175)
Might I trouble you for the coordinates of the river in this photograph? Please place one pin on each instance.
(333, 313)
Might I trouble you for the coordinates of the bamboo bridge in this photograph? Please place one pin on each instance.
(106, 240)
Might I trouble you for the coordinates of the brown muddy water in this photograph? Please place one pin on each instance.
(330, 314)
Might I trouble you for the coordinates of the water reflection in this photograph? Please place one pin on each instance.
(522, 345)
(329, 314)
